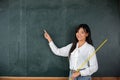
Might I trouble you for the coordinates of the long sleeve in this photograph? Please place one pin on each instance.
(64, 51)
(93, 65)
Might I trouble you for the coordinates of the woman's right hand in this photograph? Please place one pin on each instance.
(47, 36)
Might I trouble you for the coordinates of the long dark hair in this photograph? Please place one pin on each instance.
(88, 38)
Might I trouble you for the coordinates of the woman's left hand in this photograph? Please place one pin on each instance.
(75, 74)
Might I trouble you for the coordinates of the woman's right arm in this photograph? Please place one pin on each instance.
(64, 51)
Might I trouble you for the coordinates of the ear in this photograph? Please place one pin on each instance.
(87, 34)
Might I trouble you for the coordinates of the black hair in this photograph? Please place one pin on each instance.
(88, 38)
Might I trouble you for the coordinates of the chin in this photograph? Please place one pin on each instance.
(79, 39)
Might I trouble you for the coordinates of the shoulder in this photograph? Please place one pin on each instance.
(90, 47)
(70, 44)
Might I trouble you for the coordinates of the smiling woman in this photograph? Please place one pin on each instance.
(24, 51)
(78, 52)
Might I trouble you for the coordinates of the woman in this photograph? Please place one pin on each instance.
(78, 52)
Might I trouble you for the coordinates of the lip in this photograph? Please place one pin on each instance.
(78, 37)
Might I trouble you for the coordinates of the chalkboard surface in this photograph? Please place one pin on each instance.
(25, 52)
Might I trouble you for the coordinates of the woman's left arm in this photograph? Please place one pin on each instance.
(93, 64)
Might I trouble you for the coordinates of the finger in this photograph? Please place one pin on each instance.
(45, 35)
(45, 31)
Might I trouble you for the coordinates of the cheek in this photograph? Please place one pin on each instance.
(84, 35)
(77, 34)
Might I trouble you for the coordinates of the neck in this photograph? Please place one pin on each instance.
(80, 43)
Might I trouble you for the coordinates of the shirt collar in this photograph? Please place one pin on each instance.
(81, 46)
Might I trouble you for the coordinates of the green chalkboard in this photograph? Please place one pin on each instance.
(25, 52)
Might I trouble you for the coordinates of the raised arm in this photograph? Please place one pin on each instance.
(64, 51)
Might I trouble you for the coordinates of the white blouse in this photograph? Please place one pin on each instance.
(78, 57)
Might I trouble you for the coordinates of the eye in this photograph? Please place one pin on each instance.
(82, 32)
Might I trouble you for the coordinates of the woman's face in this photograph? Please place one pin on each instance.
(81, 35)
